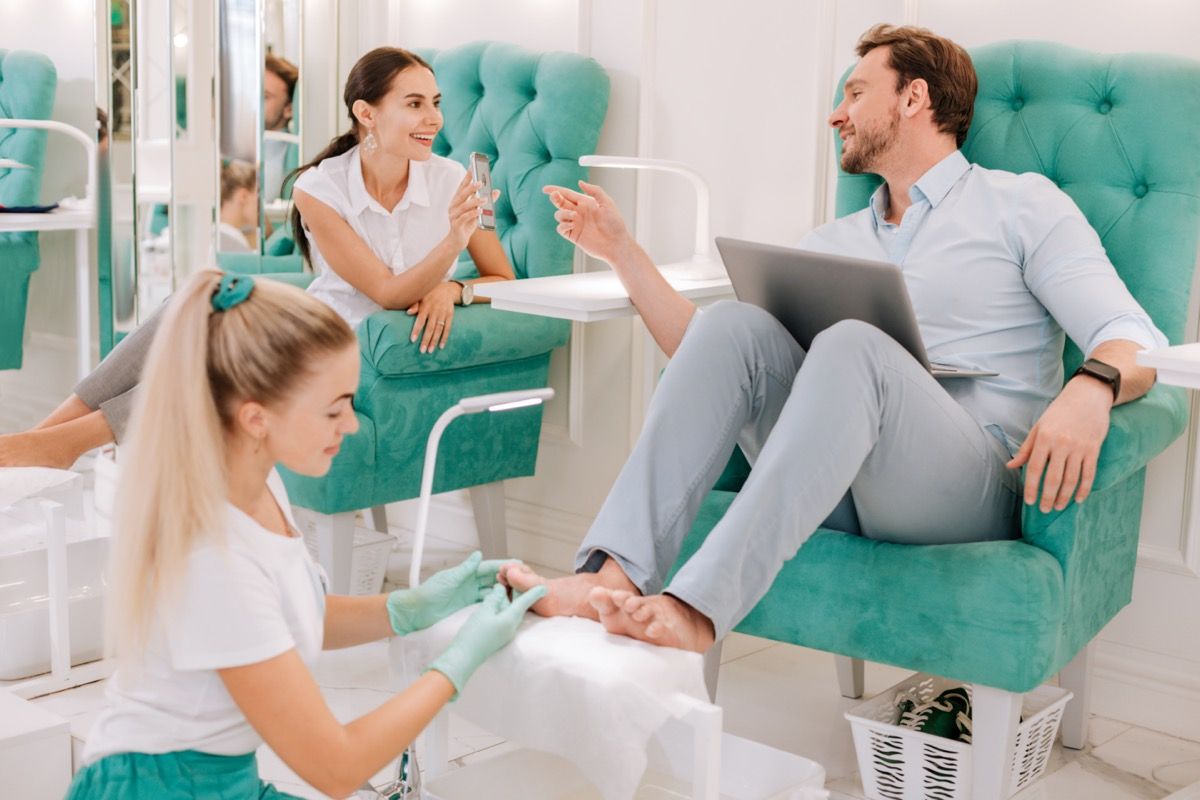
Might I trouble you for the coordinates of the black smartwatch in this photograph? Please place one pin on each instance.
(1097, 369)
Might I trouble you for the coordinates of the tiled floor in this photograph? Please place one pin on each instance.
(773, 693)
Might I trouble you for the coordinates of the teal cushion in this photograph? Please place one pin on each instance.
(988, 611)
(479, 336)
(256, 264)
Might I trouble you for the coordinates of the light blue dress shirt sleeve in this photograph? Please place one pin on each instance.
(1067, 269)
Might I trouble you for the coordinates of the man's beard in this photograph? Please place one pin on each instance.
(869, 145)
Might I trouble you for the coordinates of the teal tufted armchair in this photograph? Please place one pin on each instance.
(534, 115)
(27, 85)
(1121, 135)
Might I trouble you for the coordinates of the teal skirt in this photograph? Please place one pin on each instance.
(172, 776)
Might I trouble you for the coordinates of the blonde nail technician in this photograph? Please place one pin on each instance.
(216, 609)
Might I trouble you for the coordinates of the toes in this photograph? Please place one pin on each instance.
(620, 597)
(521, 577)
(602, 600)
(640, 612)
(655, 629)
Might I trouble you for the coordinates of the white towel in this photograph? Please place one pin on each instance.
(568, 687)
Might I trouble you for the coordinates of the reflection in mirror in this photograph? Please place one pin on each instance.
(152, 131)
(240, 91)
(115, 240)
(280, 118)
(194, 163)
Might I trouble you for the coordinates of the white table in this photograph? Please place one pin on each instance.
(592, 296)
(1177, 366)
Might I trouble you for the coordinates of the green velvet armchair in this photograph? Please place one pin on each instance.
(1121, 135)
(534, 115)
(27, 85)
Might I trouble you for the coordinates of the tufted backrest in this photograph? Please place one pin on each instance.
(27, 84)
(534, 115)
(1120, 134)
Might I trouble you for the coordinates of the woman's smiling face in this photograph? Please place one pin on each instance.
(408, 117)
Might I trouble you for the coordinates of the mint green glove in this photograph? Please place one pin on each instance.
(446, 592)
(493, 625)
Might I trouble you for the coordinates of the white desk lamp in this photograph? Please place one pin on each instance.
(501, 401)
(407, 783)
(702, 265)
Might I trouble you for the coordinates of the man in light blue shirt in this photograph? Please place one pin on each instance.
(854, 434)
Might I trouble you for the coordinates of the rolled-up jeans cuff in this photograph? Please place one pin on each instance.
(722, 626)
(593, 559)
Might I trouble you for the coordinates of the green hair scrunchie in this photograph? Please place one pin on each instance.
(232, 290)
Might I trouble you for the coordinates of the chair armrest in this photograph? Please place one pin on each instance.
(1138, 431)
(480, 335)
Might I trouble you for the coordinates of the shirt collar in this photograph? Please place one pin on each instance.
(360, 199)
(931, 187)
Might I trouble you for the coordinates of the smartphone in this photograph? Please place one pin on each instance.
(481, 173)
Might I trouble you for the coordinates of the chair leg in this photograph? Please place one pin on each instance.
(488, 503)
(712, 669)
(849, 675)
(995, 715)
(335, 544)
(379, 518)
(1076, 716)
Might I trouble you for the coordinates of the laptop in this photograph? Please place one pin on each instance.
(808, 292)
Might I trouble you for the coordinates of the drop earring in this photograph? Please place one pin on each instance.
(370, 144)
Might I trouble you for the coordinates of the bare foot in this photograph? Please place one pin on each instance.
(567, 597)
(658, 619)
(33, 449)
(58, 446)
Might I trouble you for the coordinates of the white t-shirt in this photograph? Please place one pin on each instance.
(249, 599)
(400, 238)
(231, 239)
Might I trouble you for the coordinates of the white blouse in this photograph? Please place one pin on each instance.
(401, 238)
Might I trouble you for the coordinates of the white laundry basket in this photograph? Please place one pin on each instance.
(368, 562)
(898, 763)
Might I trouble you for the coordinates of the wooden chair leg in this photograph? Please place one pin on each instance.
(488, 503)
(995, 715)
(1076, 716)
(850, 676)
(712, 669)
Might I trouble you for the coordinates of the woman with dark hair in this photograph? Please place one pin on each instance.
(380, 218)
(374, 202)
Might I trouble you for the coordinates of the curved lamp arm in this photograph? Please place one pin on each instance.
(88, 144)
(703, 246)
(501, 401)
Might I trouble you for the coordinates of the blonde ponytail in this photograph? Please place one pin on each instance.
(173, 490)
